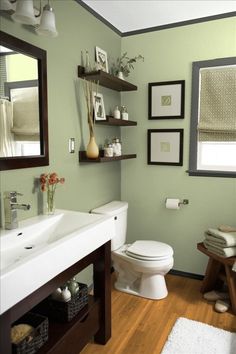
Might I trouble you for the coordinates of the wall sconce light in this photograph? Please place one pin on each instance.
(47, 25)
(26, 13)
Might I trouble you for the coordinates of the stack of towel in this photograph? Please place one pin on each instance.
(221, 243)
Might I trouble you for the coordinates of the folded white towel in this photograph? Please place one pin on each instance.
(220, 251)
(223, 238)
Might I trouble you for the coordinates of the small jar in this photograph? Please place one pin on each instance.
(124, 113)
(116, 112)
(87, 68)
(56, 295)
(116, 147)
(65, 295)
(73, 286)
(108, 150)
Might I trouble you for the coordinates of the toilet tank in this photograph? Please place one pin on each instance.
(118, 210)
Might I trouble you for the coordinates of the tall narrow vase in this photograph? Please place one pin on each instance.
(92, 151)
(50, 202)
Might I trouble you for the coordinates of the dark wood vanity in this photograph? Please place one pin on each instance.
(92, 320)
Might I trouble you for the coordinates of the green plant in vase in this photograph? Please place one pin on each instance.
(123, 65)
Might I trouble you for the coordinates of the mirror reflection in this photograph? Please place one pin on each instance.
(19, 104)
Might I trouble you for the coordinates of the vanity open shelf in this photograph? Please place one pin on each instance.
(77, 332)
(101, 158)
(107, 80)
(93, 320)
(116, 122)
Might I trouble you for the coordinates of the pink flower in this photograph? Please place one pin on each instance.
(53, 175)
(49, 181)
(43, 188)
(43, 178)
(62, 180)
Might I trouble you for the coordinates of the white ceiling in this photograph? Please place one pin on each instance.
(134, 15)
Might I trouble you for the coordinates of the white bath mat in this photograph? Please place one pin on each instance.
(192, 337)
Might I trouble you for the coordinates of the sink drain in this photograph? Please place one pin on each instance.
(29, 247)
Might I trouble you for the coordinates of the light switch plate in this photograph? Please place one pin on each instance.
(71, 145)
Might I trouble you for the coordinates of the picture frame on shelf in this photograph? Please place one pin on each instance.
(98, 106)
(101, 59)
(165, 147)
(166, 100)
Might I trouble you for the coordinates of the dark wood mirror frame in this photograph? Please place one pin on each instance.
(8, 163)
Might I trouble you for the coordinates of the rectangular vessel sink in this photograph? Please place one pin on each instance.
(44, 246)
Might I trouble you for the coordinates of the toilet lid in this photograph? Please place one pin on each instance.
(149, 250)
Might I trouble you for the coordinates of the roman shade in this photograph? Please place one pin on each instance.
(217, 106)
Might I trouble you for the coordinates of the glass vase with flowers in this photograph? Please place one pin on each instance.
(48, 184)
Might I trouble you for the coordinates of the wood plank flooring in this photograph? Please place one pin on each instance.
(141, 326)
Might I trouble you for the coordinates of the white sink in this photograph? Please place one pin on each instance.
(43, 246)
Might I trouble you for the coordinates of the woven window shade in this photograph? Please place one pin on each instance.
(217, 110)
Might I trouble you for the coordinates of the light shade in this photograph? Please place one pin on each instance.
(47, 25)
(5, 5)
(25, 12)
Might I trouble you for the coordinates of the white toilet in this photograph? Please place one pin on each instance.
(142, 265)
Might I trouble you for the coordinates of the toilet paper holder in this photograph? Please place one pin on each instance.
(184, 202)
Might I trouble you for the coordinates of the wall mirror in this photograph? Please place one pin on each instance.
(23, 104)
(213, 118)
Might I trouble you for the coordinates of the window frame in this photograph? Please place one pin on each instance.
(197, 65)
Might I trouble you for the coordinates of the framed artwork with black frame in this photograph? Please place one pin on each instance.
(166, 100)
(165, 147)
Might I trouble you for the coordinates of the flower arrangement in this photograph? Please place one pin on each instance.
(125, 64)
(48, 183)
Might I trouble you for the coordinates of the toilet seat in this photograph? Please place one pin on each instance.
(149, 250)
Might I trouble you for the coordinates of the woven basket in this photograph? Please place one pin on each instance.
(38, 336)
(65, 311)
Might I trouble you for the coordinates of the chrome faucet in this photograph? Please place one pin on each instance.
(10, 208)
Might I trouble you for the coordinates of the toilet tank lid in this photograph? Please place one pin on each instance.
(112, 208)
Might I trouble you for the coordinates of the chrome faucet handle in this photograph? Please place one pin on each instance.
(12, 194)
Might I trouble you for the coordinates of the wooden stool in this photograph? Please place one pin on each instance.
(219, 268)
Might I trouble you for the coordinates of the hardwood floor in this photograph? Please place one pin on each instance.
(141, 326)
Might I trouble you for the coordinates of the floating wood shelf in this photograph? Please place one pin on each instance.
(116, 122)
(101, 158)
(106, 80)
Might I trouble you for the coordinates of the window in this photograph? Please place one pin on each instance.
(213, 118)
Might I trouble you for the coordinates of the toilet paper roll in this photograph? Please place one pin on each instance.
(172, 203)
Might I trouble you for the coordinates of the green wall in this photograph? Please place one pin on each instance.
(168, 56)
(87, 186)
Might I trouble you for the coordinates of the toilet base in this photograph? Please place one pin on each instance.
(149, 286)
(153, 286)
